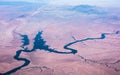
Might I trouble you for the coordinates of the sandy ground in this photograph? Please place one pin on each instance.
(101, 57)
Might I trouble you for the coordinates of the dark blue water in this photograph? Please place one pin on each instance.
(40, 43)
(25, 40)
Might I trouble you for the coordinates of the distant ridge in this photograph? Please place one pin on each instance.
(88, 9)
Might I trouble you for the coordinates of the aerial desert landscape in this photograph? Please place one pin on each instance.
(63, 37)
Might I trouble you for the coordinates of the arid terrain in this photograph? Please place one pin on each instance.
(93, 32)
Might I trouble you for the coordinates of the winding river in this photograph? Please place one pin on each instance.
(40, 43)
